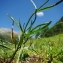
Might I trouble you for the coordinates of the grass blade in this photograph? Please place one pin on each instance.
(17, 23)
(30, 19)
(32, 23)
(20, 26)
(34, 31)
(40, 25)
(46, 8)
(5, 47)
(43, 4)
(21, 40)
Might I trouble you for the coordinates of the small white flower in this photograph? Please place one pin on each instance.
(39, 14)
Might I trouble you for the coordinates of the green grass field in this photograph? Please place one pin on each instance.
(49, 49)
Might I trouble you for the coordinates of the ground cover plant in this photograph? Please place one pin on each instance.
(49, 49)
(44, 50)
(19, 52)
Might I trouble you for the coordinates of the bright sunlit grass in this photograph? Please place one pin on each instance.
(42, 47)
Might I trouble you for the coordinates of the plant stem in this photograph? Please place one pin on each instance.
(19, 55)
(13, 55)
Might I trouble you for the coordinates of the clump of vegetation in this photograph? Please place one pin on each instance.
(27, 32)
(56, 29)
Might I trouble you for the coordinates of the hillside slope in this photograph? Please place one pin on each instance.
(5, 34)
(56, 29)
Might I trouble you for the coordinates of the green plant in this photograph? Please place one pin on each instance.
(28, 31)
(55, 29)
(49, 49)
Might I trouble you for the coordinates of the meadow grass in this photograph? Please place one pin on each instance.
(42, 47)
(47, 48)
(50, 48)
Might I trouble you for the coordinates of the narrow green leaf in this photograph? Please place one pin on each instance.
(20, 26)
(40, 25)
(21, 40)
(14, 20)
(30, 27)
(34, 31)
(46, 8)
(17, 23)
(43, 4)
(5, 47)
(30, 19)
(40, 29)
(32, 22)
